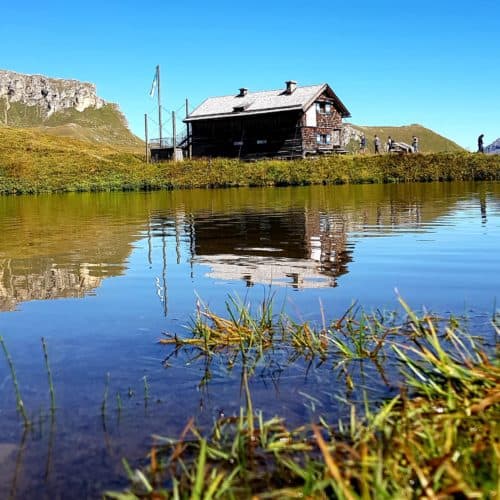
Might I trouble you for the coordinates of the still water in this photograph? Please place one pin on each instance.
(103, 276)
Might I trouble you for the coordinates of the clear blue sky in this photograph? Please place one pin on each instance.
(436, 63)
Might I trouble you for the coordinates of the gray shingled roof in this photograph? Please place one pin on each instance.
(262, 102)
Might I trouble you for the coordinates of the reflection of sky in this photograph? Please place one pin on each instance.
(452, 266)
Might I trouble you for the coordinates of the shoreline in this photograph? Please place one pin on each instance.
(38, 171)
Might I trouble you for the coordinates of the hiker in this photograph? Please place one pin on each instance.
(362, 144)
(480, 144)
(390, 142)
(376, 143)
(414, 144)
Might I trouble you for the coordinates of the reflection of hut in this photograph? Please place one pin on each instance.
(299, 248)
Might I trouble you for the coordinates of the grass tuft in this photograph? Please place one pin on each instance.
(442, 442)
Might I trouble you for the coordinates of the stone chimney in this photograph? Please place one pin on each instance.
(243, 92)
(291, 85)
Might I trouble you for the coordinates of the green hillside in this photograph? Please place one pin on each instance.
(34, 162)
(105, 125)
(430, 141)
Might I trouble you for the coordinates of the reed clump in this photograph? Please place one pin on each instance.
(437, 439)
(355, 335)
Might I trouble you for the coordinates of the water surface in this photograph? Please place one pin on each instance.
(102, 276)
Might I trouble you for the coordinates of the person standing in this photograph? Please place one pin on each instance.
(480, 144)
(414, 144)
(362, 144)
(389, 144)
(376, 143)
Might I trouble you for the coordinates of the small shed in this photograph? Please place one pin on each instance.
(290, 122)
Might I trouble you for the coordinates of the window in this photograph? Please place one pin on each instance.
(323, 139)
(325, 108)
(261, 141)
(238, 143)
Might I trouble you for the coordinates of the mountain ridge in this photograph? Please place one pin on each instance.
(62, 107)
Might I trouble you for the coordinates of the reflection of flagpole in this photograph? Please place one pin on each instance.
(164, 273)
(190, 221)
(177, 240)
(161, 286)
(150, 260)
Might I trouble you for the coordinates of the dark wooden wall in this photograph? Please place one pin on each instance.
(240, 136)
(281, 134)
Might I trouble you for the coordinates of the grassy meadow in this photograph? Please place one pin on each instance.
(106, 125)
(34, 162)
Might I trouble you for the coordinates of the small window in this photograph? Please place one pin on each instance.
(261, 141)
(238, 143)
(324, 138)
(325, 108)
(238, 109)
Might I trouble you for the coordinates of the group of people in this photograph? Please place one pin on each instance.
(389, 145)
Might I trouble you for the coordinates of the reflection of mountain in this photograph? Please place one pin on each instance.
(19, 283)
(63, 246)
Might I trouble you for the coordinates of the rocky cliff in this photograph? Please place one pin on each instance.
(48, 95)
(60, 107)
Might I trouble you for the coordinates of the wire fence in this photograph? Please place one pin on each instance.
(167, 140)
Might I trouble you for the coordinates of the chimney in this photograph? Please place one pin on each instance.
(291, 85)
(243, 92)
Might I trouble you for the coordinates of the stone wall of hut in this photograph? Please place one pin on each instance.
(326, 124)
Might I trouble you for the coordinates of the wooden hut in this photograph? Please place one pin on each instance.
(291, 122)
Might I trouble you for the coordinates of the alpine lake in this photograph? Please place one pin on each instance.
(102, 277)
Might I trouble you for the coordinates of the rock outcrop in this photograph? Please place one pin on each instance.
(350, 133)
(64, 108)
(49, 95)
(493, 148)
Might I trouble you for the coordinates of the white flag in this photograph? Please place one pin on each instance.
(154, 84)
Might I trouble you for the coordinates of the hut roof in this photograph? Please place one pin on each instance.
(268, 101)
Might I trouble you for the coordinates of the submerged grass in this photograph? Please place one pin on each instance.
(49, 375)
(246, 332)
(439, 438)
(19, 401)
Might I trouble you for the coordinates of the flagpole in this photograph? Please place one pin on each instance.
(146, 137)
(159, 103)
